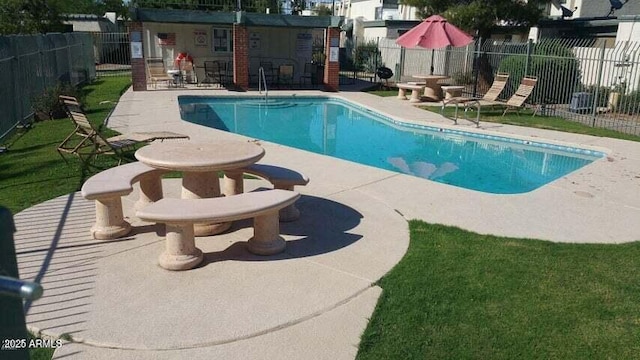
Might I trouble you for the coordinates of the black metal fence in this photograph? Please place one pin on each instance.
(591, 81)
(112, 53)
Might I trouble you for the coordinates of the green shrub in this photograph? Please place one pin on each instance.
(367, 57)
(555, 66)
(47, 106)
(463, 78)
(630, 103)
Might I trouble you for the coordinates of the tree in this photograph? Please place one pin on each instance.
(42, 16)
(95, 7)
(481, 15)
(297, 6)
(80, 7)
(30, 16)
(322, 10)
(221, 5)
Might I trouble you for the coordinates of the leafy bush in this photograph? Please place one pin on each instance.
(367, 57)
(630, 103)
(463, 78)
(318, 57)
(47, 106)
(555, 66)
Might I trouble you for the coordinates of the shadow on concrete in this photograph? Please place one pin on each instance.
(323, 227)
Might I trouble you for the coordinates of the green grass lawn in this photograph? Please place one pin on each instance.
(454, 295)
(460, 295)
(31, 171)
(525, 118)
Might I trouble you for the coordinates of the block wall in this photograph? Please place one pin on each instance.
(332, 68)
(240, 56)
(138, 71)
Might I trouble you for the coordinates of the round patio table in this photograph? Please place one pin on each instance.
(432, 89)
(177, 77)
(199, 164)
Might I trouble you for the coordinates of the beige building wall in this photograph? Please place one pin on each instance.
(366, 9)
(277, 45)
(408, 13)
(628, 30)
(375, 32)
(282, 46)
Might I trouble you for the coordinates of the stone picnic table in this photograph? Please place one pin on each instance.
(199, 164)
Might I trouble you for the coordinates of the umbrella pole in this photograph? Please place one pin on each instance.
(432, 55)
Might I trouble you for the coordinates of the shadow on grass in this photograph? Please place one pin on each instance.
(24, 150)
(35, 182)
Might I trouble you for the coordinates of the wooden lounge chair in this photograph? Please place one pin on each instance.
(156, 71)
(490, 97)
(87, 143)
(517, 100)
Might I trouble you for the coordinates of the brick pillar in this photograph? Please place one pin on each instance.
(332, 68)
(241, 56)
(138, 71)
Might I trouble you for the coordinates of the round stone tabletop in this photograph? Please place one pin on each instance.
(191, 156)
(431, 76)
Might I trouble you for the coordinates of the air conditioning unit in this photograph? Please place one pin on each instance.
(580, 102)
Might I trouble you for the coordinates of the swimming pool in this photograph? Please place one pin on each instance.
(338, 128)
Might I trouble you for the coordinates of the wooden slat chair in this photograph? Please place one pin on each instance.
(499, 83)
(517, 100)
(489, 98)
(156, 71)
(87, 143)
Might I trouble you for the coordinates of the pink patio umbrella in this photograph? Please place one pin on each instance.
(434, 32)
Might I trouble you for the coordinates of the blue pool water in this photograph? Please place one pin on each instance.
(347, 131)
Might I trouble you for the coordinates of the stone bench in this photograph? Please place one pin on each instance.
(107, 189)
(179, 215)
(451, 91)
(280, 177)
(416, 91)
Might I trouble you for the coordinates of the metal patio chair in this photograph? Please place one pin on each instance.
(215, 72)
(285, 75)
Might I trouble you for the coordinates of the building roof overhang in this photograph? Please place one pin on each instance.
(582, 27)
(391, 23)
(230, 18)
(579, 22)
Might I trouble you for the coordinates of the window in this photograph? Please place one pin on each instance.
(221, 40)
(378, 15)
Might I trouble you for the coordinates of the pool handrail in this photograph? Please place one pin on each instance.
(262, 80)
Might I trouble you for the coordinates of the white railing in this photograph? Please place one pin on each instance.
(262, 80)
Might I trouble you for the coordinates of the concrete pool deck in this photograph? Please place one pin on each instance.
(599, 203)
(314, 300)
